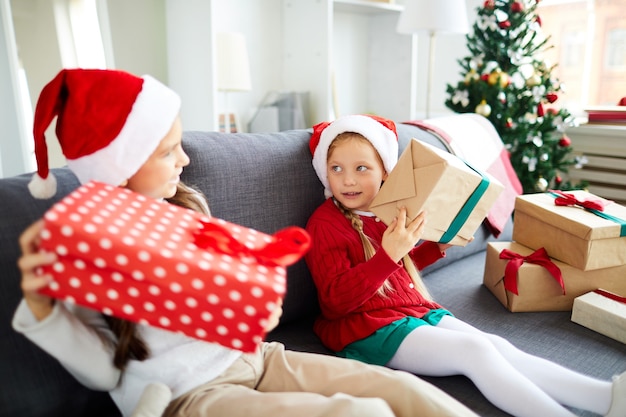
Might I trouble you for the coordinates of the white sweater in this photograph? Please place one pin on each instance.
(79, 339)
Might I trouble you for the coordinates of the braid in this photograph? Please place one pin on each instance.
(368, 247)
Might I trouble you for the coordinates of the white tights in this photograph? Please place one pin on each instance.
(517, 382)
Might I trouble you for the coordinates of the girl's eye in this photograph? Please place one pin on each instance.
(335, 168)
(361, 168)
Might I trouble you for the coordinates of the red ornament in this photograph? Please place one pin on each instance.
(509, 123)
(504, 25)
(489, 4)
(517, 7)
(485, 77)
(558, 180)
(540, 111)
(552, 97)
(564, 142)
(538, 20)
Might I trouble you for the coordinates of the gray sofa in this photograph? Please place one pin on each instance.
(265, 181)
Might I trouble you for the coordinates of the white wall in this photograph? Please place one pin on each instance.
(172, 40)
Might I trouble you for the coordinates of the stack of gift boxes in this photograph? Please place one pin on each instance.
(568, 253)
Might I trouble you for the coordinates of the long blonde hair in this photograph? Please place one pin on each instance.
(357, 224)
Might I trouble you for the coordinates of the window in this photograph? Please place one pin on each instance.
(589, 39)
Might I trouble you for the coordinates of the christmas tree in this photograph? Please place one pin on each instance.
(506, 80)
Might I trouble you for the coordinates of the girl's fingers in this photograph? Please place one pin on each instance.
(29, 239)
(35, 283)
(28, 263)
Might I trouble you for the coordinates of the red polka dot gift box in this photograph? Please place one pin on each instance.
(155, 263)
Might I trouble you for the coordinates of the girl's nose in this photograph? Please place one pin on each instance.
(183, 158)
(348, 179)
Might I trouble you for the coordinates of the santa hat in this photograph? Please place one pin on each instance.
(380, 132)
(108, 123)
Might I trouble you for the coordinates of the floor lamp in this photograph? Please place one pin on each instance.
(432, 17)
(233, 70)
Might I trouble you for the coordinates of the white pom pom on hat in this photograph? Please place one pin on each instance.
(379, 131)
(108, 123)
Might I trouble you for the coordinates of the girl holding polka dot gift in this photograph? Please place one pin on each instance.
(375, 307)
(124, 130)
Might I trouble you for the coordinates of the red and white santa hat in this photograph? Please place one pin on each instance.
(379, 131)
(108, 123)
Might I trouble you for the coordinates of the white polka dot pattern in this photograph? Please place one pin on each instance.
(133, 257)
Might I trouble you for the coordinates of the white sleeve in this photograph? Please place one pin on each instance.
(79, 339)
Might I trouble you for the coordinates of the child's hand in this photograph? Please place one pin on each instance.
(400, 237)
(274, 318)
(32, 259)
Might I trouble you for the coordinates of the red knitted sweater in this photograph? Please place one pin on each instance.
(347, 285)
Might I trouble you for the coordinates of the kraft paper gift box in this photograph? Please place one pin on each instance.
(455, 196)
(603, 312)
(572, 234)
(152, 262)
(532, 283)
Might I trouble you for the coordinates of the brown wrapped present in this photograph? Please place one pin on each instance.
(455, 196)
(588, 234)
(531, 284)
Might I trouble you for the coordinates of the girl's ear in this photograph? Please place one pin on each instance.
(385, 176)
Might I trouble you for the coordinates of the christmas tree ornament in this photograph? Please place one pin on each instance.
(551, 97)
(502, 97)
(541, 185)
(489, 4)
(493, 78)
(483, 108)
(533, 80)
(540, 110)
(505, 24)
(504, 79)
(509, 123)
(517, 7)
(565, 141)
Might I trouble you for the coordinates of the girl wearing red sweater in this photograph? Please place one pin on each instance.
(375, 307)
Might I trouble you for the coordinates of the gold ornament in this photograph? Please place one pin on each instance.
(505, 80)
(493, 78)
(533, 80)
(541, 185)
(483, 108)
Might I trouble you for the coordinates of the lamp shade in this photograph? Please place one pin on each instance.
(233, 66)
(433, 16)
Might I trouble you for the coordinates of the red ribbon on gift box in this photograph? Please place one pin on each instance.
(610, 295)
(565, 199)
(538, 257)
(285, 248)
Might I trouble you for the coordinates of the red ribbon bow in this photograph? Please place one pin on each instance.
(565, 199)
(538, 257)
(285, 248)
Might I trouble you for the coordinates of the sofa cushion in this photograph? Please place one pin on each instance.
(33, 383)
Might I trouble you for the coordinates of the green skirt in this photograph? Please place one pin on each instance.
(379, 348)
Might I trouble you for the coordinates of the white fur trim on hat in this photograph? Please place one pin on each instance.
(150, 119)
(383, 139)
